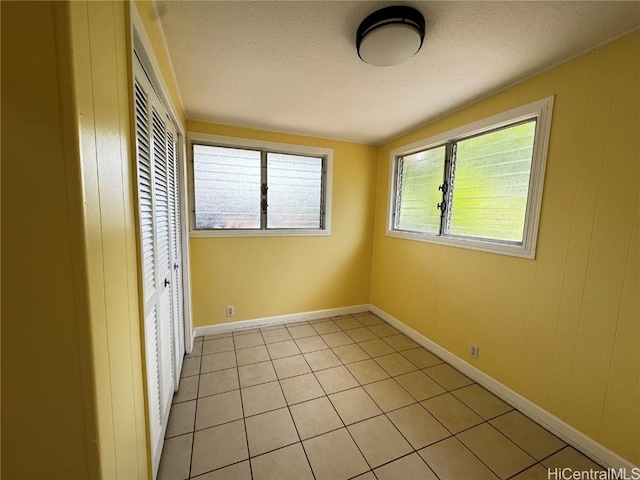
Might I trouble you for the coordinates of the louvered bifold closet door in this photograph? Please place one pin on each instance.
(156, 168)
(161, 205)
(176, 248)
(148, 253)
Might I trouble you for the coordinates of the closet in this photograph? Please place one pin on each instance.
(160, 236)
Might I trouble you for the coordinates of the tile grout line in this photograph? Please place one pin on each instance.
(345, 365)
(473, 453)
(334, 408)
(288, 407)
(225, 423)
(415, 402)
(413, 450)
(312, 399)
(418, 403)
(195, 415)
(510, 441)
(360, 385)
(385, 414)
(455, 435)
(346, 427)
(244, 418)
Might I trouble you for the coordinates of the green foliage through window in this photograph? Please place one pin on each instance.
(421, 174)
(475, 187)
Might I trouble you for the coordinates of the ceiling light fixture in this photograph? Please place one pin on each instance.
(390, 36)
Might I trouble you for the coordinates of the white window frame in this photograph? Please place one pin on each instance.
(194, 138)
(541, 110)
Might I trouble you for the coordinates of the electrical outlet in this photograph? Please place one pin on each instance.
(473, 350)
(231, 311)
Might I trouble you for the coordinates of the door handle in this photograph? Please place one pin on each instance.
(166, 282)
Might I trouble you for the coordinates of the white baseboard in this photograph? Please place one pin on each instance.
(596, 451)
(278, 320)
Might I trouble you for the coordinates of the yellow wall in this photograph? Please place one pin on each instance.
(72, 380)
(562, 329)
(100, 69)
(262, 277)
(0, 276)
(47, 405)
(153, 29)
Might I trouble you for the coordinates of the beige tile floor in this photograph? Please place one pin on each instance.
(347, 397)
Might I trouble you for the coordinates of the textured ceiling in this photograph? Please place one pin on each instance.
(292, 66)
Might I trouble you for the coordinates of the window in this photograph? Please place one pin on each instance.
(479, 186)
(244, 187)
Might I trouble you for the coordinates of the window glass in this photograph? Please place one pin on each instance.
(490, 194)
(260, 190)
(491, 183)
(419, 176)
(294, 191)
(227, 187)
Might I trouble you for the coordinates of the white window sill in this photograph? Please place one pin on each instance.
(259, 233)
(522, 251)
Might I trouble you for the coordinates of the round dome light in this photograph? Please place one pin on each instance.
(390, 36)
